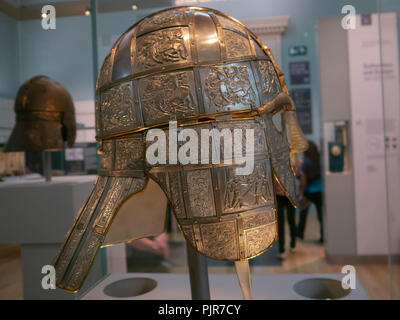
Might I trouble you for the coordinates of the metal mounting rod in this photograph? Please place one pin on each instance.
(198, 273)
(47, 165)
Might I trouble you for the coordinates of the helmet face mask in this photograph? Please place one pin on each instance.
(204, 75)
(45, 117)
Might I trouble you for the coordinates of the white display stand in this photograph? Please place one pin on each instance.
(37, 215)
(222, 287)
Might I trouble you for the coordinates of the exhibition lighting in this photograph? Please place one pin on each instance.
(134, 7)
(87, 12)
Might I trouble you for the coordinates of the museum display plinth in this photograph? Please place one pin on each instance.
(222, 287)
(36, 214)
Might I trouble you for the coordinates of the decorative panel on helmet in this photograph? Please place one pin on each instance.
(259, 239)
(270, 84)
(170, 18)
(237, 45)
(228, 87)
(245, 192)
(257, 126)
(168, 96)
(200, 192)
(162, 48)
(219, 240)
(129, 153)
(117, 109)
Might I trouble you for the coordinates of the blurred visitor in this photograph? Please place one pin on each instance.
(156, 245)
(311, 188)
(284, 204)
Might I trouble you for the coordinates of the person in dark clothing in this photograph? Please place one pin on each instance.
(311, 189)
(285, 204)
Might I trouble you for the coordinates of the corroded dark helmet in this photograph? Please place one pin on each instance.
(45, 117)
(206, 71)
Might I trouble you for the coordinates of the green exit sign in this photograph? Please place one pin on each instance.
(297, 51)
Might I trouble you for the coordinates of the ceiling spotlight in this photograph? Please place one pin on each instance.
(44, 15)
(87, 12)
(134, 7)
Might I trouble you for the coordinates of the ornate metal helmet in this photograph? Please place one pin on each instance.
(45, 117)
(204, 70)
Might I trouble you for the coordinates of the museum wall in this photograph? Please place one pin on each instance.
(301, 31)
(9, 73)
(66, 54)
(9, 81)
(39, 54)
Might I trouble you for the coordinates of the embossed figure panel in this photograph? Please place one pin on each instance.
(244, 192)
(117, 109)
(163, 20)
(161, 48)
(270, 83)
(254, 125)
(129, 153)
(220, 240)
(258, 239)
(228, 87)
(237, 45)
(199, 186)
(168, 96)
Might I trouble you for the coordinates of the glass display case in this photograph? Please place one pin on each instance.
(341, 63)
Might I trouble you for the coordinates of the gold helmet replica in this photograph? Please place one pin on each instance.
(202, 70)
(45, 117)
